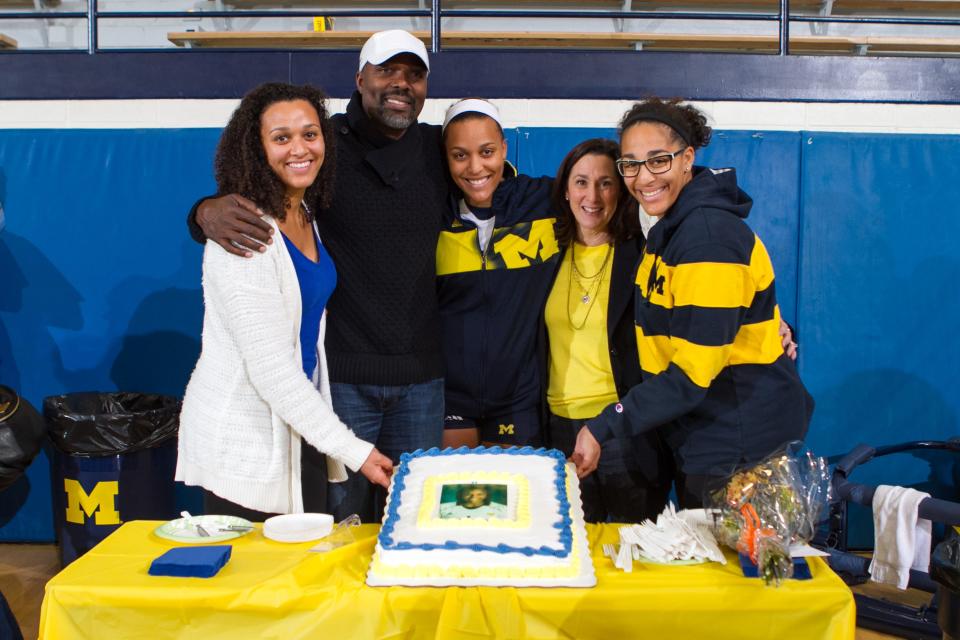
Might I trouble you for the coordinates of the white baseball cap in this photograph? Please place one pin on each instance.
(383, 45)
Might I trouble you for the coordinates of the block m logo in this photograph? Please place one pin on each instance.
(102, 501)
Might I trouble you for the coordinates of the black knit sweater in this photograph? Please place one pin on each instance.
(381, 230)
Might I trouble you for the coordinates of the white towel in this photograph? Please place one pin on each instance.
(901, 540)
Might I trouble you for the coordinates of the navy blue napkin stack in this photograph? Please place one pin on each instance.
(801, 570)
(192, 562)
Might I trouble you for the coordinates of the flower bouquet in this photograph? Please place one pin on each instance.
(771, 505)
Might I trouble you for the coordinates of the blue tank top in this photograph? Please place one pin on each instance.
(317, 281)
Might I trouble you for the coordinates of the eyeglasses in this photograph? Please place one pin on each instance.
(657, 164)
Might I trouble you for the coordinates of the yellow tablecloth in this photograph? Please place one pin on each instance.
(283, 591)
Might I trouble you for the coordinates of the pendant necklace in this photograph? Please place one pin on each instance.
(589, 285)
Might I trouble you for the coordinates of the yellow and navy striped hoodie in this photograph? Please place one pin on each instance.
(707, 325)
(490, 302)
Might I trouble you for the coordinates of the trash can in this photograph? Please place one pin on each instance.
(945, 569)
(115, 457)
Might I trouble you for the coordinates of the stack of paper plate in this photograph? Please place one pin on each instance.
(298, 527)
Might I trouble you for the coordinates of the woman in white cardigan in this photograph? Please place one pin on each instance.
(260, 384)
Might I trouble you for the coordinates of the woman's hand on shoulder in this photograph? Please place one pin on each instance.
(377, 468)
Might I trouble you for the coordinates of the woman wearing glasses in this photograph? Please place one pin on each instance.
(707, 319)
(592, 344)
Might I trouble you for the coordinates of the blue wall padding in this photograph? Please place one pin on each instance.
(880, 297)
(100, 284)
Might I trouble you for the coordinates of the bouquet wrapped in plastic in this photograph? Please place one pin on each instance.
(771, 505)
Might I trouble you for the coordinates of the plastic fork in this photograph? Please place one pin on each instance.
(203, 533)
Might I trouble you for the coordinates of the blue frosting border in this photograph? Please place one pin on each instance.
(564, 523)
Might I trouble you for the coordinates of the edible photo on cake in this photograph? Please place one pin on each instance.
(474, 501)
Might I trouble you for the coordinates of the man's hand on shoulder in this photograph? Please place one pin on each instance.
(235, 223)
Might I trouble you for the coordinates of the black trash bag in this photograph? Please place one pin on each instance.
(21, 435)
(945, 563)
(945, 569)
(98, 424)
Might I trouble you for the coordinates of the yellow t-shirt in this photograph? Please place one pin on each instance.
(581, 381)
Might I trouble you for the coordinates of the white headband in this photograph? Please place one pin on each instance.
(472, 105)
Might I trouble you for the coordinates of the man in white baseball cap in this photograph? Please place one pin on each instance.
(392, 80)
(383, 327)
(383, 45)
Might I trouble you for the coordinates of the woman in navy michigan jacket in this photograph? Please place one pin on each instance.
(495, 261)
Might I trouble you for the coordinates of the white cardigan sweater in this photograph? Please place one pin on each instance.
(248, 403)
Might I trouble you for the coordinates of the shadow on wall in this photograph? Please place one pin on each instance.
(150, 352)
(34, 298)
(159, 360)
(878, 354)
(8, 371)
(153, 349)
(893, 404)
(160, 343)
(871, 400)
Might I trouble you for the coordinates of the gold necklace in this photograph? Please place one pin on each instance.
(593, 283)
(591, 279)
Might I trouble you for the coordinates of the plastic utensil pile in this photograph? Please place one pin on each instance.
(672, 538)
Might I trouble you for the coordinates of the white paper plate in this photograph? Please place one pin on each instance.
(298, 527)
(180, 530)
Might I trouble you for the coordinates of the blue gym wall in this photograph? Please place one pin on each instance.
(99, 282)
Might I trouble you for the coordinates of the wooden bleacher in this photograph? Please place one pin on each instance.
(837, 45)
(838, 7)
(26, 4)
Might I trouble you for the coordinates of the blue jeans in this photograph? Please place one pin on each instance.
(396, 419)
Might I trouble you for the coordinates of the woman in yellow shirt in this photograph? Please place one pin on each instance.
(592, 342)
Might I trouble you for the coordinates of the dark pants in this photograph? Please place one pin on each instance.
(692, 488)
(313, 480)
(618, 491)
(396, 419)
(516, 429)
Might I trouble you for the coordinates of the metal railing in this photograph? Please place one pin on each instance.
(436, 13)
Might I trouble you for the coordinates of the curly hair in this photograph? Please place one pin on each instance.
(240, 165)
(687, 123)
(624, 224)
